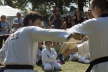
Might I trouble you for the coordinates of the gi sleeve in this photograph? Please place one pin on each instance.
(56, 35)
(83, 28)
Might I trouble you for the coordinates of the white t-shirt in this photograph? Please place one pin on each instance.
(21, 46)
(97, 31)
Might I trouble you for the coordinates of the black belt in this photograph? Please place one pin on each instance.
(18, 67)
(97, 61)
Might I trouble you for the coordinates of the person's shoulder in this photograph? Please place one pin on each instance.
(15, 19)
(90, 20)
(32, 27)
(22, 18)
(29, 29)
(52, 49)
(102, 19)
(20, 29)
(44, 50)
(36, 27)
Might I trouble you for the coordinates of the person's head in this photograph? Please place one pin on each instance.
(48, 44)
(33, 19)
(18, 15)
(3, 18)
(99, 7)
(40, 44)
(56, 11)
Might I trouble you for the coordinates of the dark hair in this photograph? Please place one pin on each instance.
(32, 17)
(3, 16)
(48, 42)
(102, 4)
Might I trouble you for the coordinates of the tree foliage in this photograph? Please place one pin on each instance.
(16, 3)
(44, 4)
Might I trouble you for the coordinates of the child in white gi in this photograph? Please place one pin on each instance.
(49, 56)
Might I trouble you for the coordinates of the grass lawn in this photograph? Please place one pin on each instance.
(70, 67)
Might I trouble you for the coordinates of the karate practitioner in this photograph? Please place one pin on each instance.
(18, 54)
(97, 31)
(49, 58)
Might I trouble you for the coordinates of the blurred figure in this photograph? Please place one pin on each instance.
(70, 20)
(18, 21)
(55, 19)
(79, 18)
(39, 55)
(4, 29)
(82, 55)
(49, 56)
(88, 14)
(56, 46)
(64, 24)
(45, 18)
(4, 25)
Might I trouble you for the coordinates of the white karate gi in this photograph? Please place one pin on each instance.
(49, 59)
(97, 31)
(83, 49)
(18, 48)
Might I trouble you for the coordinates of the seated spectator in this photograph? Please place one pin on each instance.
(49, 56)
(39, 56)
(77, 57)
(57, 46)
(82, 55)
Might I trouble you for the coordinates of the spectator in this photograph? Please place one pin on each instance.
(70, 20)
(18, 21)
(82, 55)
(90, 16)
(49, 56)
(38, 55)
(60, 57)
(57, 46)
(55, 19)
(4, 26)
(4, 29)
(64, 23)
(79, 18)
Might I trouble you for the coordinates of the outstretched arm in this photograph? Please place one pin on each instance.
(56, 35)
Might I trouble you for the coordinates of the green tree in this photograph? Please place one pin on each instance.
(16, 3)
(1, 3)
(44, 4)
